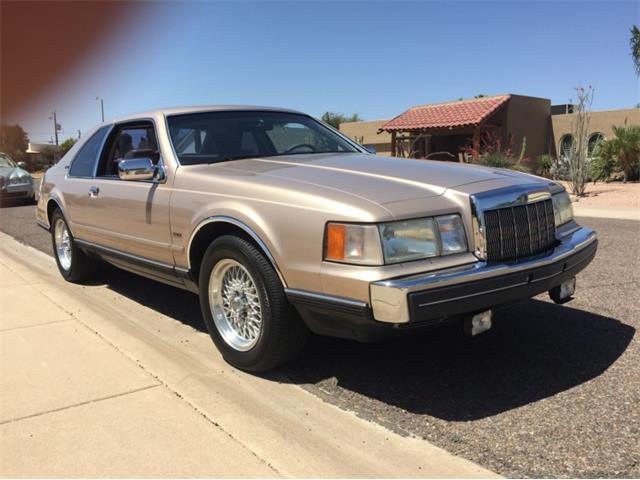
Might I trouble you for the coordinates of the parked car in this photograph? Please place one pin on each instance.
(15, 182)
(283, 226)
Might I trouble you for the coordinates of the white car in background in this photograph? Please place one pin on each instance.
(15, 182)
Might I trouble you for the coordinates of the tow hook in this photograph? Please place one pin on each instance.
(563, 293)
(478, 323)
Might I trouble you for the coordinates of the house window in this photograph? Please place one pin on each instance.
(566, 145)
(594, 140)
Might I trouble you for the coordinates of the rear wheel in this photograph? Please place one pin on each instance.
(245, 308)
(74, 265)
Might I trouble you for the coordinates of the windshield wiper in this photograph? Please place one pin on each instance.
(306, 153)
(229, 159)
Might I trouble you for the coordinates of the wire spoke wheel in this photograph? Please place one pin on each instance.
(62, 241)
(235, 304)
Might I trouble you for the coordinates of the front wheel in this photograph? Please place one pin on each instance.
(245, 308)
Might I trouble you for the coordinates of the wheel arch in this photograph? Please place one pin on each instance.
(52, 204)
(214, 227)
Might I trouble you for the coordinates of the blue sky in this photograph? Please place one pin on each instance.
(374, 58)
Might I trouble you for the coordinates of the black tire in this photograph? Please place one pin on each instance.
(282, 336)
(82, 266)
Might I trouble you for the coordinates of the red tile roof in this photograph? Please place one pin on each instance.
(442, 115)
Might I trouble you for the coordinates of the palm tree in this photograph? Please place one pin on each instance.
(634, 42)
(621, 151)
(628, 142)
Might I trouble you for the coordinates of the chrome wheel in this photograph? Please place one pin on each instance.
(235, 304)
(62, 241)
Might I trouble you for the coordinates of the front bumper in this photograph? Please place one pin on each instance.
(22, 190)
(401, 305)
(480, 285)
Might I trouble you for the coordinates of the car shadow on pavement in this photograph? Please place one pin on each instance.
(165, 299)
(536, 349)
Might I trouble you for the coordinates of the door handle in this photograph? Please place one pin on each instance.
(93, 192)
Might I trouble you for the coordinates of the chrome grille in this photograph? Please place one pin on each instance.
(521, 231)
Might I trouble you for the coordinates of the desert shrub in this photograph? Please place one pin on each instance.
(604, 162)
(619, 153)
(560, 169)
(497, 152)
(545, 163)
(499, 160)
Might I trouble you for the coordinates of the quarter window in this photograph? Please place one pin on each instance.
(84, 163)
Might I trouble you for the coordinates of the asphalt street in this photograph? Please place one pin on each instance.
(550, 391)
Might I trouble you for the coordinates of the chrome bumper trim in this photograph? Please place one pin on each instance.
(389, 297)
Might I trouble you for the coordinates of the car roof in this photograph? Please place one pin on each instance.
(199, 109)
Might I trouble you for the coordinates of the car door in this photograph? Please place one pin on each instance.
(78, 180)
(130, 216)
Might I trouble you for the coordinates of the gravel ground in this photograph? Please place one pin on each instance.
(551, 391)
(614, 194)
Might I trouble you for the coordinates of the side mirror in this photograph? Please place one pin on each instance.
(370, 149)
(137, 169)
(22, 165)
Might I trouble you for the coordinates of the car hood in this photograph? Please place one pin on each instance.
(8, 172)
(379, 179)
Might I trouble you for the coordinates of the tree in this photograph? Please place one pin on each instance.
(14, 141)
(627, 140)
(335, 119)
(66, 146)
(578, 153)
(622, 151)
(634, 43)
(49, 153)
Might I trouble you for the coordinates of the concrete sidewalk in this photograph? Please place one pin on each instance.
(618, 213)
(93, 384)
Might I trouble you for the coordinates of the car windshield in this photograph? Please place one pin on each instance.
(212, 137)
(5, 161)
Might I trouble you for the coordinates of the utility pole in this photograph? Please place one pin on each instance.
(55, 127)
(79, 135)
(101, 107)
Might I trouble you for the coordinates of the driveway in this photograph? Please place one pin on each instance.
(550, 391)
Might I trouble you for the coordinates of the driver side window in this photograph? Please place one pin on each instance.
(129, 141)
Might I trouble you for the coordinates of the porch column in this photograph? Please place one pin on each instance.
(476, 141)
(393, 144)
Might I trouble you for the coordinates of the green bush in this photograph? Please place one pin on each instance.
(619, 153)
(604, 162)
(499, 160)
(545, 163)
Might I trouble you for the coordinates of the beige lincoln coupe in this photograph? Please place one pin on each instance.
(283, 226)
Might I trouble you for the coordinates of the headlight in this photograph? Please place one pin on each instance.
(357, 244)
(409, 240)
(395, 242)
(562, 209)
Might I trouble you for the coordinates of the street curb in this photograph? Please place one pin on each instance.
(292, 430)
(615, 213)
